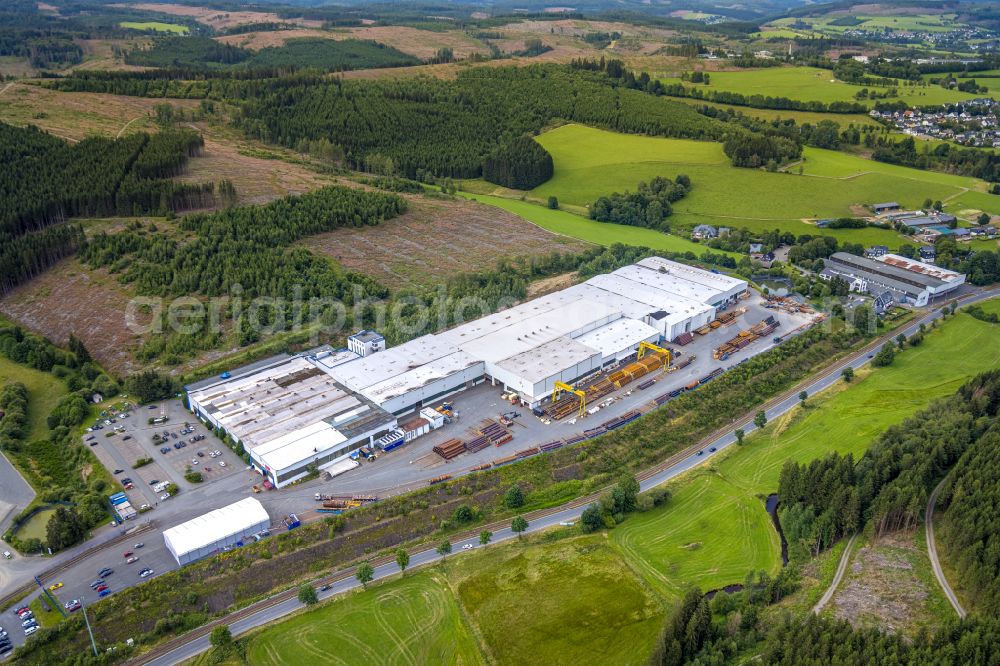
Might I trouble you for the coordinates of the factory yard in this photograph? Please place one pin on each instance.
(415, 463)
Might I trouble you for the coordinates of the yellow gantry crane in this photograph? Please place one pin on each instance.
(558, 389)
(656, 349)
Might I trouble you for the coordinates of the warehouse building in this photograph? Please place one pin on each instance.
(560, 337)
(907, 280)
(292, 412)
(223, 528)
(289, 414)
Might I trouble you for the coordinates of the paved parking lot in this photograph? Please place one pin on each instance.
(176, 445)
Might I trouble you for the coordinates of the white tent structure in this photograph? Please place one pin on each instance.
(214, 531)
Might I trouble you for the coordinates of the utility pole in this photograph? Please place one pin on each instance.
(87, 620)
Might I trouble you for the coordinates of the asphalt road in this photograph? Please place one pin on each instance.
(932, 552)
(269, 614)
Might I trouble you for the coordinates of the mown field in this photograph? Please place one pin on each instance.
(156, 26)
(591, 162)
(811, 117)
(715, 527)
(565, 601)
(811, 84)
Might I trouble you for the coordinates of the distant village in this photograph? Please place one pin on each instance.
(971, 123)
(966, 37)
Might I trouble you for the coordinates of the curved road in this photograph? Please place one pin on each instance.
(932, 552)
(277, 606)
(837, 577)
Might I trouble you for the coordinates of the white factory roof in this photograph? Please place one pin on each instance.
(718, 281)
(205, 530)
(483, 326)
(440, 368)
(337, 357)
(618, 336)
(539, 363)
(392, 362)
(531, 332)
(297, 445)
(670, 282)
(652, 297)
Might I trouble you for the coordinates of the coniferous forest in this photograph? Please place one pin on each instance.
(44, 180)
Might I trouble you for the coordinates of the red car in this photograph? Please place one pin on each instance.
(21, 610)
(101, 588)
(127, 553)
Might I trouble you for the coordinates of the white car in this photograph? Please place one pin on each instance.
(165, 496)
(145, 573)
(222, 463)
(194, 461)
(567, 523)
(30, 630)
(217, 452)
(468, 546)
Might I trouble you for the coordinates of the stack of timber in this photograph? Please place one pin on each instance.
(745, 338)
(619, 421)
(552, 446)
(450, 448)
(634, 371)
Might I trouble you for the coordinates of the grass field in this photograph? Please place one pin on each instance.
(549, 601)
(44, 391)
(812, 117)
(811, 84)
(415, 620)
(591, 162)
(157, 26)
(715, 527)
(576, 226)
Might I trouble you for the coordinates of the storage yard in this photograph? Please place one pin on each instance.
(547, 373)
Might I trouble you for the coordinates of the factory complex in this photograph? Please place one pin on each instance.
(905, 280)
(321, 407)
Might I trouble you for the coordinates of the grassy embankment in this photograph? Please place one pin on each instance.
(582, 599)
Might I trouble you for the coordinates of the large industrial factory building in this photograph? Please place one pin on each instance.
(319, 407)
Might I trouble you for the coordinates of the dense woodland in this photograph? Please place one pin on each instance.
(44, 180)
(649, 206)
(888, 487)
(970, 534)
(522, 164)
(302, 53)
(975, 162)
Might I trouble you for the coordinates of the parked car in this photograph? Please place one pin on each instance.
(119, 471)
(151, 407)
(105, 572)
(165, 496)
(132, 560)
(29, 622)
(102, 588)
(18, 611)
(127, 437)
(177, 445)
(127, 553)
(145, 573)
(139, 545)
(90, 437)
(201, 454)
(55, 586)
(103, 593)
(96, 584)
(222, 463)
(30, 630)
(164, 450)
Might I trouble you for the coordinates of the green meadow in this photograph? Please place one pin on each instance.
(44, 392)
(715, 527)
(591, 162)
(156, 26)
(812, 84)
(569, 601)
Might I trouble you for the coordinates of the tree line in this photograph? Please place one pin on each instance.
(649, 206)
(978, 163)
(833, 497)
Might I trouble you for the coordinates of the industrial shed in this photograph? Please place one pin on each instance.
(210, 533)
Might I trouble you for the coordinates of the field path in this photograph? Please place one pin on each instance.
(932, 553)
(837, 577)
(7, 87)
(125, 126)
